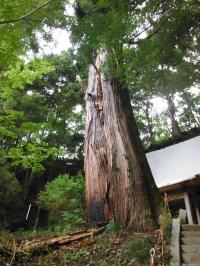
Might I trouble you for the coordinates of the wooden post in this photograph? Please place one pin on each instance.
(37, 219)
(197, 212)
(175, 243)
(27, 214)
(188, 208)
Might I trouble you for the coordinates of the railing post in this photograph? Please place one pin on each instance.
(188, 208)
(175, 242)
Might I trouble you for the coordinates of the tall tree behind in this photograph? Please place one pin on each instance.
(190, 104)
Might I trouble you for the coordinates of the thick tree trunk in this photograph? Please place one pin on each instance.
(172, 115)
(119, 182)
(149, 123)
(28, 182)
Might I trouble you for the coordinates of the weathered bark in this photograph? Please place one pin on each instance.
(119, 182)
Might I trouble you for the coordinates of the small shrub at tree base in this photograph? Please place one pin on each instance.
(112, 226)
(64, 199)
(74, 217)
(82, 255)
(138, 248)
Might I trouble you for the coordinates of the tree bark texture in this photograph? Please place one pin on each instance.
(149, 123)
(119, 182)
(172, 115)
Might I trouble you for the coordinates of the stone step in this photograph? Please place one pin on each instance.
(189, 240)
(190, 233)
(190, 248)
(191, 264)
(191, 258)
(189, 227)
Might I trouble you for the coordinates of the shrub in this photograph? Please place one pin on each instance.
(165, 220)
(74, 217)
(63, 197)
(138, 248)
(112, 227)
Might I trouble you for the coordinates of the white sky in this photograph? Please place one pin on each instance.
(159, 105)
(61, 42)
(60, 38)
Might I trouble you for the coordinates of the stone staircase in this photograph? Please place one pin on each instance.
(190, 245)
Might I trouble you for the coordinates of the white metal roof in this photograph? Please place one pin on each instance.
(176, 163)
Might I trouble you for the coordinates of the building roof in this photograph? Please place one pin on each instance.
(175, 163)
(187, 183)
(185, 135)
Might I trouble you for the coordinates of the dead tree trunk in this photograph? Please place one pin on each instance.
(119, 182)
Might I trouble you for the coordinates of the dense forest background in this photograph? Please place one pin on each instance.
(42, 96)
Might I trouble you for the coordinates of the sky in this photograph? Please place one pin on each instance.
(60, 42)
(60, 38)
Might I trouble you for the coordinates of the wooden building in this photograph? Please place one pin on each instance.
(176, 170)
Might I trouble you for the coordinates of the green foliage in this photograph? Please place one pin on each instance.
(19, 36)
(104, 243)
(39, 122)
(63, 197)
(38, 116)
(112, 227)
(81, 255)
(138, 248)
(74, 217)
(31, 155)
(23, 74)
(162, 64)
(165, 220)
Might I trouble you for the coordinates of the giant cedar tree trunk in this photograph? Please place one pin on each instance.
(119, 182)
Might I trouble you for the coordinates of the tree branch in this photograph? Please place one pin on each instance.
(26, 15)
(150, 34)
(39, 21)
